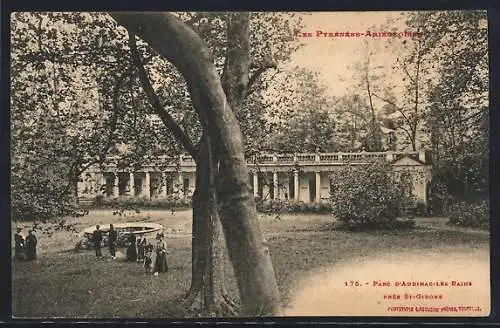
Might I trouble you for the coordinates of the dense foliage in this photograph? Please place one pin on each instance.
(368, 196)
(291, 206)
(171, 203)
(76, 99)
(471, 214)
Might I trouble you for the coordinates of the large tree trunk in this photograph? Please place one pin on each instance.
(246, 245)
(207, 238)
(208, 270)
(207, 280)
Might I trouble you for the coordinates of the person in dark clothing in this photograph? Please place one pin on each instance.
(31, 242)
(19, 245)
(132, 250)
(112, 237)
(97, 236)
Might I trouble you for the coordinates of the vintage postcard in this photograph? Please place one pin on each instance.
(229, 164)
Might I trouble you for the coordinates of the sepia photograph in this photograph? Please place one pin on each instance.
(249, 164)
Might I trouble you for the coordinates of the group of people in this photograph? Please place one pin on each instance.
(25, 248)
(153, 257)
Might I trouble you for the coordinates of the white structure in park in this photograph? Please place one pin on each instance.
(301, 177)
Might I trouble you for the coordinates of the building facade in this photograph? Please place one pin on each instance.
(300, 177)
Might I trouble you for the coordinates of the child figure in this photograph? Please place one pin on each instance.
(141, 245)
(148, 257)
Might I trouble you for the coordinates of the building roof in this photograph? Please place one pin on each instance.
(408, 160)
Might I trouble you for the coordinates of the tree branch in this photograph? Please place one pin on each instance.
(357, 114)
(114, 118)
(235, 77)
(166, 118)
(407, 73)
(400, 109)
(408, 132)
(256, 75)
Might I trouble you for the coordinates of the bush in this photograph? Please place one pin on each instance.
(141, 202)
(369, 197)
(290, 206)
(470, 214)
(439, 197)
(421, 209)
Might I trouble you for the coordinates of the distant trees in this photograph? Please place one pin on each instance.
(299, 115)
(458, 109)
(56, 120)
(436, 98)
(73, 102)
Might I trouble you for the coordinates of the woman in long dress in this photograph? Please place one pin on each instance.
(161, 255)
(31, 242)
(132, 250)
(19, 244)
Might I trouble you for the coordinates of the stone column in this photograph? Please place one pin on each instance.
(116, 186)
(165, 185)
(287, 181)
(180, 184)
(100, 182)
(275, 186)
(318, 187)
(421, 156)
(147, 186)
(256, 184)
(102, 185)
(296, 188)
(131, 184)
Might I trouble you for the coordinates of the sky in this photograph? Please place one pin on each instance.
(334, 57)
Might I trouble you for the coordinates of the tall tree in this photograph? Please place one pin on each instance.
(408, 106)
(368, 78)
(65, 65)
(458, 100)
(126, 100)
(59, 111)
(185, 49)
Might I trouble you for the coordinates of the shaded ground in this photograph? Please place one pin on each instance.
(62, 283)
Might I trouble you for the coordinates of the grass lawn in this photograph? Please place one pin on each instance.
(69, 284)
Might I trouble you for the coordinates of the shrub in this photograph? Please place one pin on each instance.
(141, 202)
(421, 209)
(470, 214)
(439, 197)
(369, 197)
(290, 206)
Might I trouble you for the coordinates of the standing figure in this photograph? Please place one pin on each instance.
(31, 242)
(19, 244)
(149, 256)
(132, 250)
(112, 237)
(141, 245)
(97, 236)
(161, 255)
